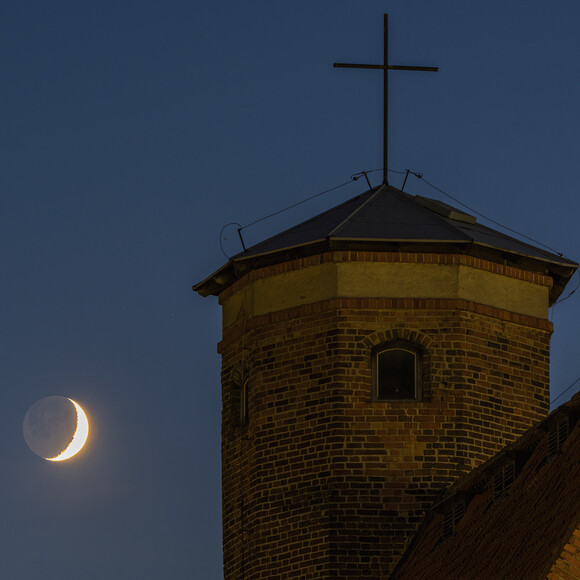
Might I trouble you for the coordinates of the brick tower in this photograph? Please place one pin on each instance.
(370, 356)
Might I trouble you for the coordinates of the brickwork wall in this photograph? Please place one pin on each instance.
(323, 482)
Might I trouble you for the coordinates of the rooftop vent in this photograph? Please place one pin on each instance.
(557, 436)
(445, 210)
(503, 479)
(452, 516)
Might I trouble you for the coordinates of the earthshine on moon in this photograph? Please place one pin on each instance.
(55, 428)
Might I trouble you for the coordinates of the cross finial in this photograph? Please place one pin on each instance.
(385, 68)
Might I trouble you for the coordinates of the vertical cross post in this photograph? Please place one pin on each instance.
(385, 97)
(385, 67)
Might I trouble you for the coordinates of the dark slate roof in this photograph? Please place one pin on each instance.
(519, 534)
(385, 218)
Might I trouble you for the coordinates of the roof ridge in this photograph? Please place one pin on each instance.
(409, 200)
(300, 225)
(337, 229)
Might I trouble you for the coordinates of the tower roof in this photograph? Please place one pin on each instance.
(387, 219)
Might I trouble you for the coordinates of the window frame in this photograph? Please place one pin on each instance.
(398, 344)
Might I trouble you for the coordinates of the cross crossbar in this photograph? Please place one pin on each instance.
(382, 66)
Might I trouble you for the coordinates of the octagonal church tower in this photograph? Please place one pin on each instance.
(370, 356)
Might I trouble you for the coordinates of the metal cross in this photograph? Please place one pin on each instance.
(386, 67)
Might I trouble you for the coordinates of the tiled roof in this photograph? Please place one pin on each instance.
(521, 532)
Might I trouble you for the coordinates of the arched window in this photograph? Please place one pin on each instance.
(397, 372)
(239, 396)
(244, 403)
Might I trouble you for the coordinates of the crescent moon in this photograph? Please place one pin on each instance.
(79, 438)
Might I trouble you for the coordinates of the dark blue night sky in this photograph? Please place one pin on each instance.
(132, 131)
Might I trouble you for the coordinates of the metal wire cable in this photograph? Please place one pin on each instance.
(297, 203)
(561, 254)
(353, 177)
(357, 176)
(419, 176)
(573, 291)
(221, 234)
(565, 391)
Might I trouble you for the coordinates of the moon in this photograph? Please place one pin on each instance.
(55, 428)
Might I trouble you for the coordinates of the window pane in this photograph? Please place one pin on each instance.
(396, 374)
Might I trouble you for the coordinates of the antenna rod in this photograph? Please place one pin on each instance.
(242, 239)
(405, 180)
